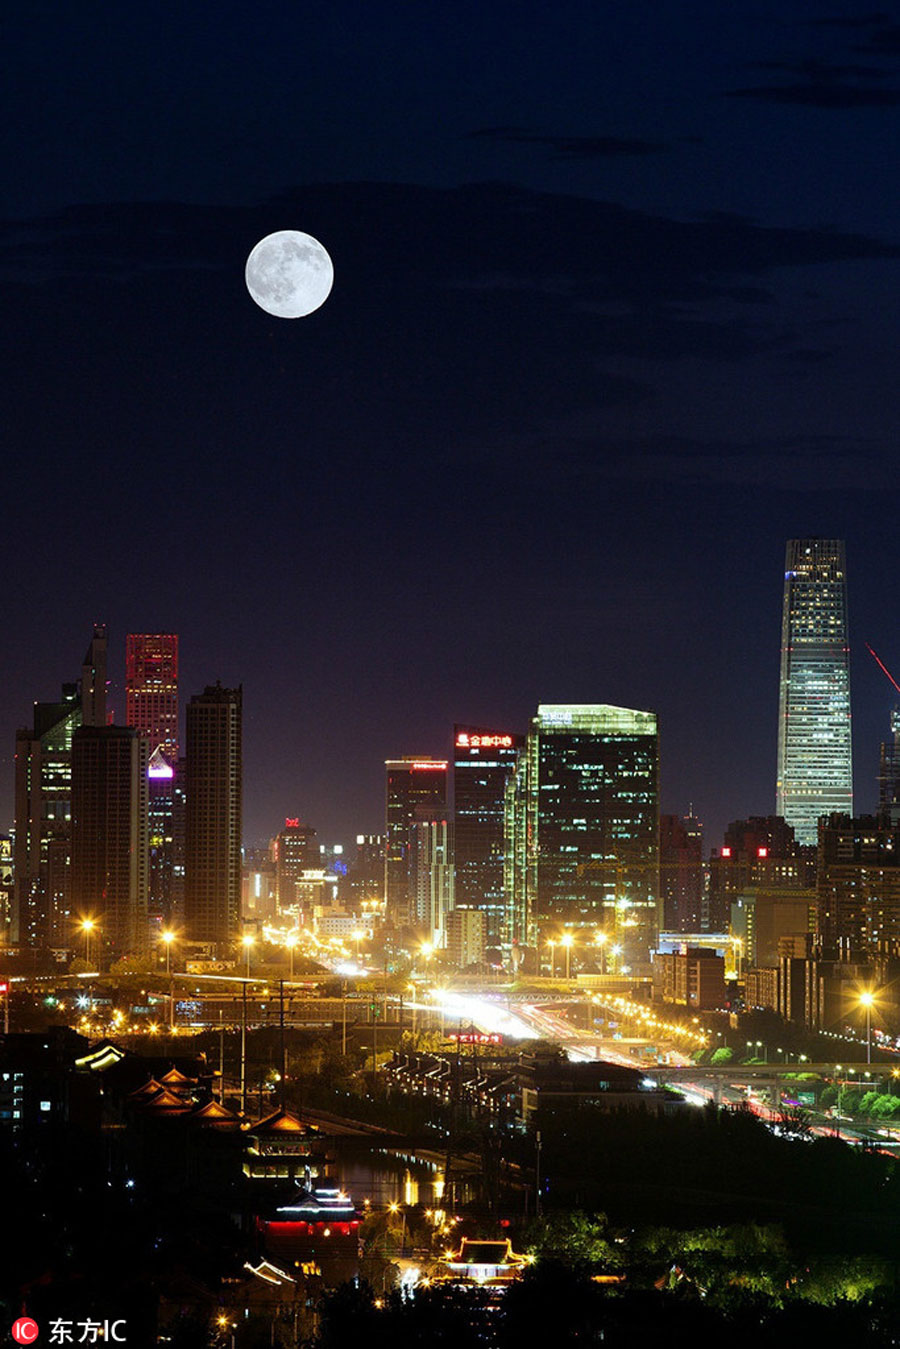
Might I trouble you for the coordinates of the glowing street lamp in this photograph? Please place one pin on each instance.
(167, 938)
(247, 942)
(867, 1000)
(88, 926)
(615, 952)
(291, 942)
(600, 939)
(566, 940)
(358, 935)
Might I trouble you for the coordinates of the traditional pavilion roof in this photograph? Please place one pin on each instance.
(162, 1101)
(101, 1056)
(269, 1273)
(174, 1078)
(150, 1088)
(475, 1251)
(320, 1203)
(281, 1121)
(215, 1114)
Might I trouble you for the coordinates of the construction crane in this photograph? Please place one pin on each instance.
(881, 665)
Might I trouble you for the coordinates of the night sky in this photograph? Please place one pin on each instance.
(615, 313)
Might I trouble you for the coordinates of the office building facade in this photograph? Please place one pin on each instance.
(815, 771)
(681, 872)
(295, 849)
(431, 873)
(110, 870)
(43, 807)
(484, 760)
(410, 782)
(213, 818)
(586, 843)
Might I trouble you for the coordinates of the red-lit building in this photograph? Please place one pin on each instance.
(151, 688)
(319, 1229)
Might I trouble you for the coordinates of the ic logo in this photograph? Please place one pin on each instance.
(25, 1331)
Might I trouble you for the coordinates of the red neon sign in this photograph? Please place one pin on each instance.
(436, 766)
(471, 1037)
(466, 741)
(292, 822)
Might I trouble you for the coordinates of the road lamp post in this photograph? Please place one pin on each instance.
(167, 938)
(867, 1000)
(552, 945)
(600, 940)
(291, 943)
(247, 942)
(567, 940)
(87, 926)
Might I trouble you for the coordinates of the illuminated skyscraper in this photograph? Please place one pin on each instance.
(411, 782)
(815, 772)
(483, 761)
(583, 831)
(295, 850)
(151, 688)
(109, 873)
(212, 863)
(41, 910)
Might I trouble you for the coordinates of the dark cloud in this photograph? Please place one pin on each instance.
(836, 83)
(579, 451)
(571, 147)
(823, 94)
(852, 21)
(885, 41)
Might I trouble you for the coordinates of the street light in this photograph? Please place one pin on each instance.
(291, 943)
(567, 940)
(167, 938)
(600, 939)
(358, 935)
(867, 1000)
(247, 942)
(615, 952)
(552, 944)
(87, 926)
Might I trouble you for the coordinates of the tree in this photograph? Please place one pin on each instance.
(575, 1239)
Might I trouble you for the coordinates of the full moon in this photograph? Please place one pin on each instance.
(289, 274)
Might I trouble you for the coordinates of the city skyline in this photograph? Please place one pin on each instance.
(603, 334)
(727, 810)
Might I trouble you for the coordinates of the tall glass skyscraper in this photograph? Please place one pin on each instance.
(582, 844)
(815, 774)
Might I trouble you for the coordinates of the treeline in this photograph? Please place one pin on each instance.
(705, 1166)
